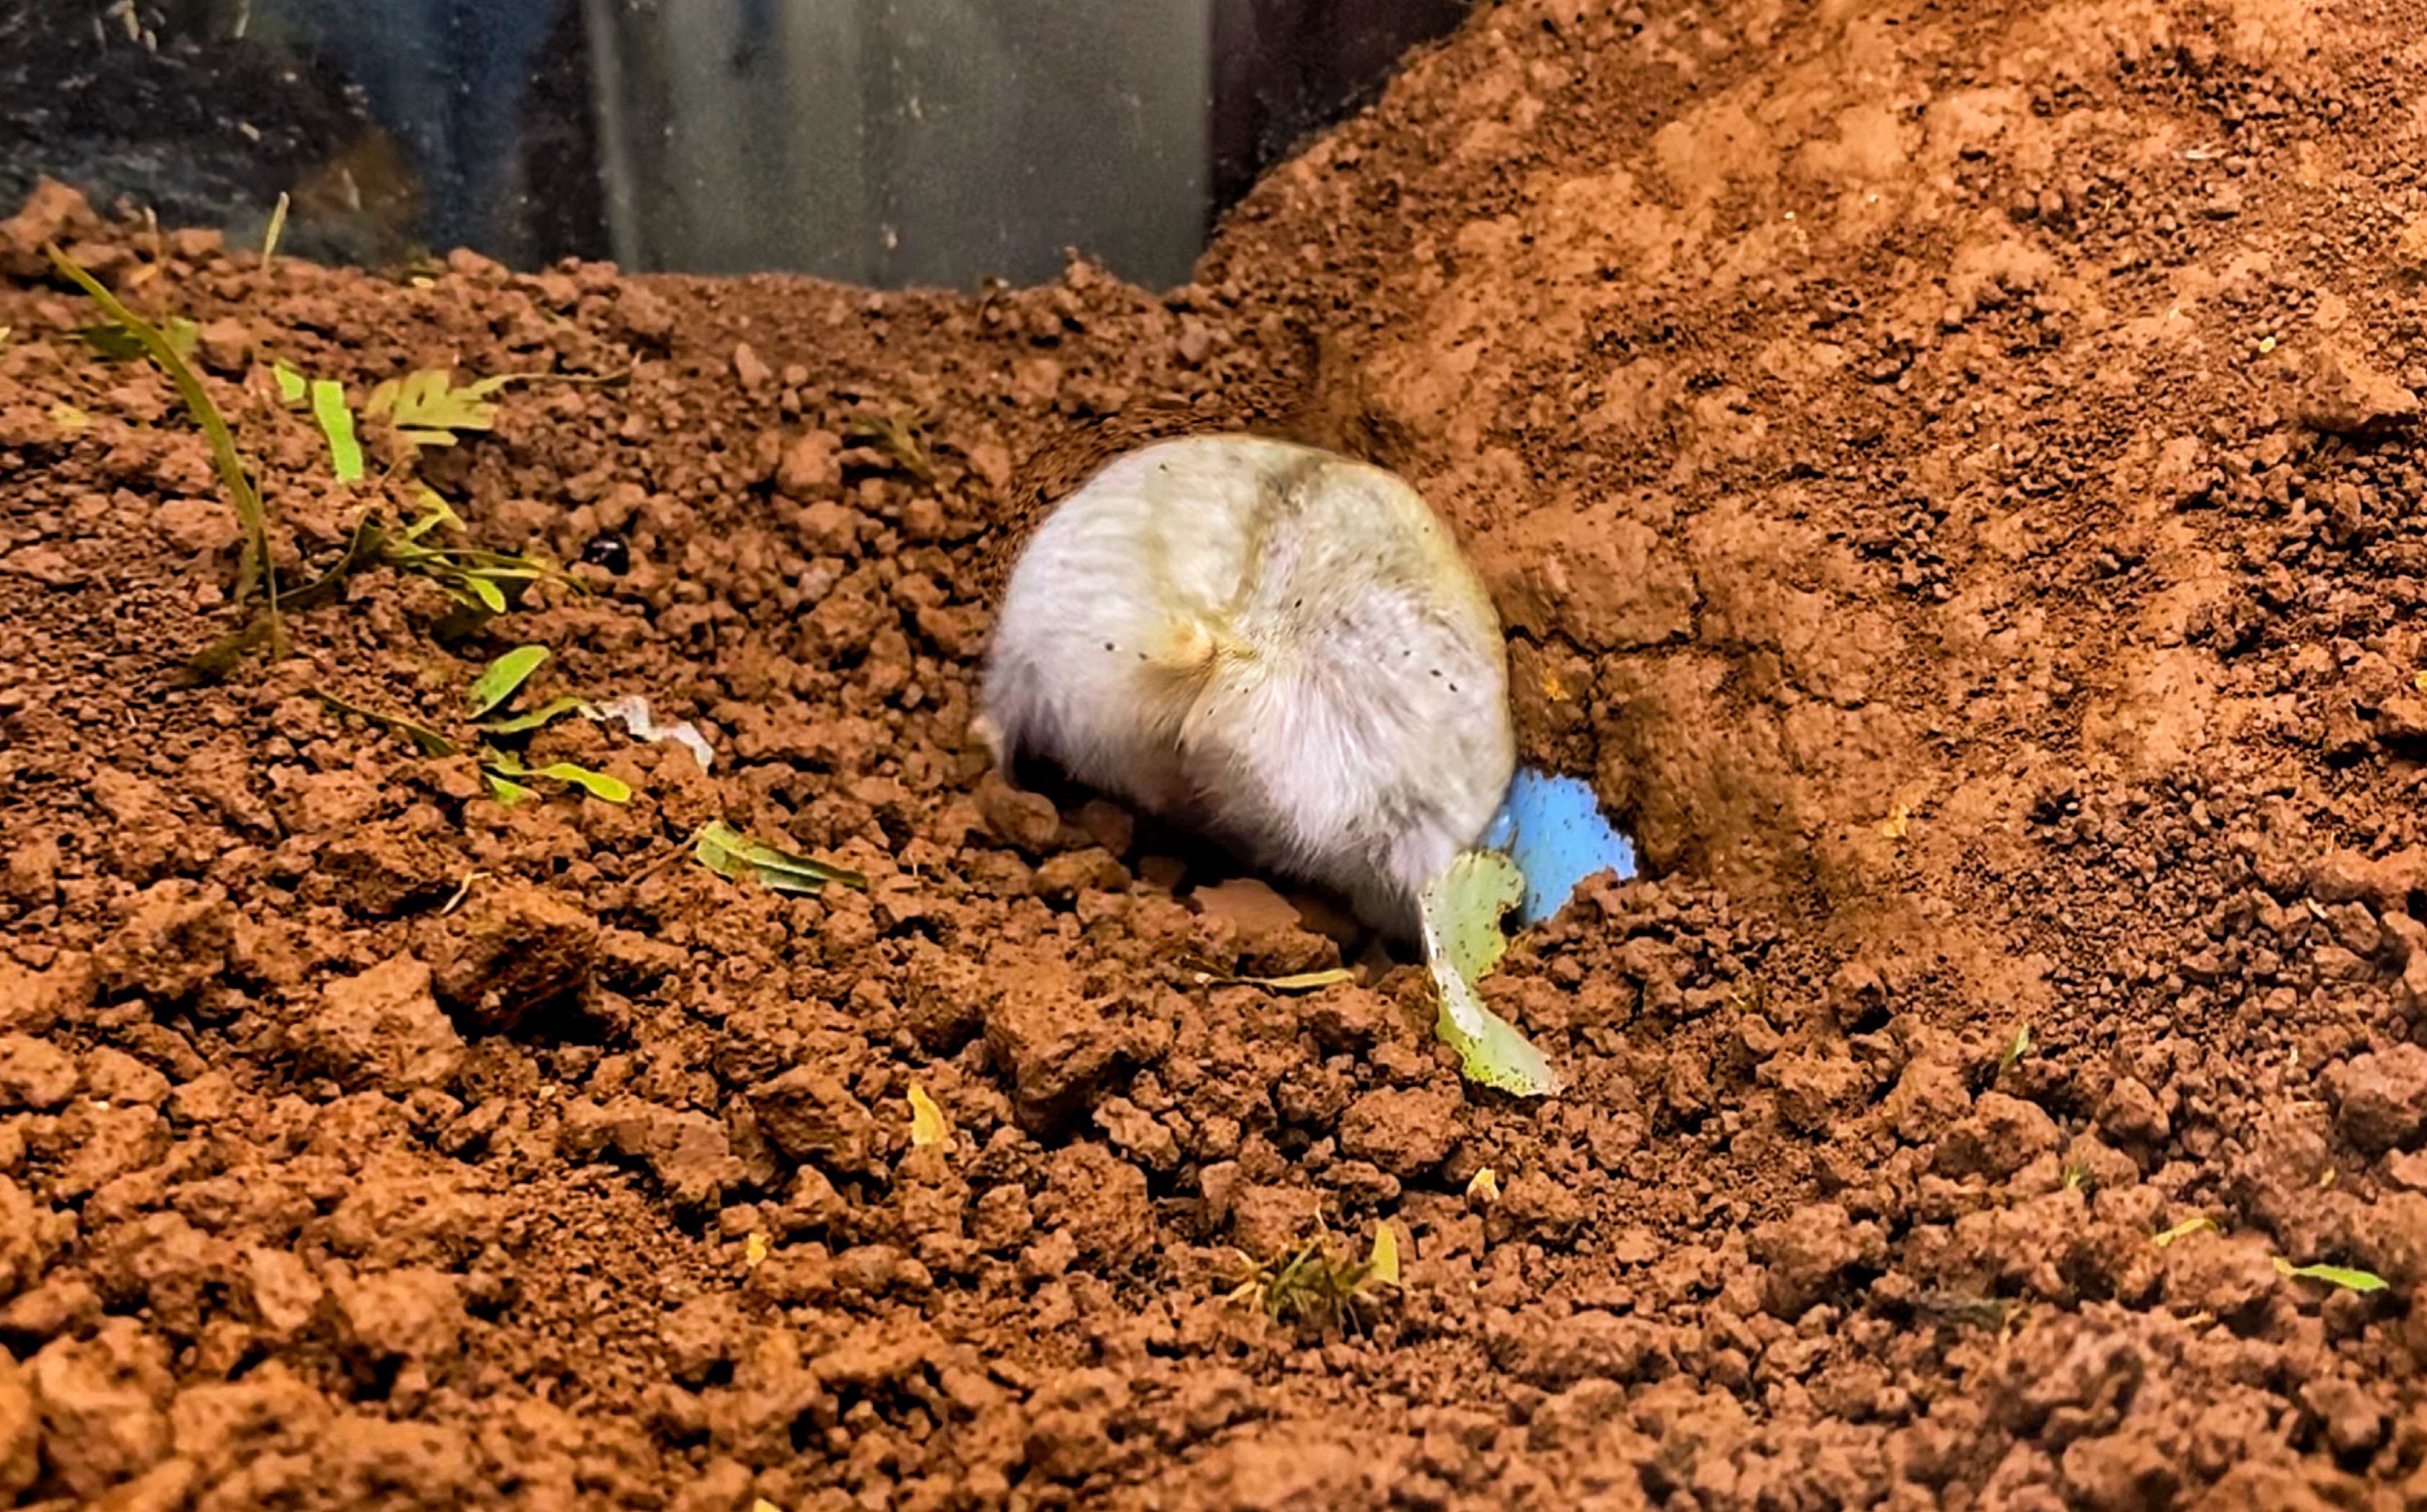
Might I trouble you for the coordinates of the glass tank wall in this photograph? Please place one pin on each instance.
(886, 142)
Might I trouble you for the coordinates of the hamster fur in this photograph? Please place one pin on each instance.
(1276, 646)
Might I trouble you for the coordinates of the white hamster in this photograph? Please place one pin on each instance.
(1276, 646)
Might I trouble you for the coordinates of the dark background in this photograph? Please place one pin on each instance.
(883, 142)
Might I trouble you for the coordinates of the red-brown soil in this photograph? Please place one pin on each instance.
(1953, 478)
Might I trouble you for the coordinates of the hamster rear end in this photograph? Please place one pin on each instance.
(1276, 646)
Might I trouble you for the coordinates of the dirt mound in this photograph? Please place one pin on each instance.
(1954, 480)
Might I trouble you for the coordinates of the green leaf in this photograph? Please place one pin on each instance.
(429, 742)
(428, 411)
(1383, 1262)
(2198, 1225)
(503, 677)
(1461, 911)
(737, 857)
(481, 593)
(554, 710)
(897, 436)
(435, 512)
(277, 229)
(508, 573)
(338, 424)
(2015, 1049)
(252, 565)
(118, 343)
(362, 547)
(292, 386)
(596, 784)
(1302, 981)
(2342, 1275)
(1295, 981)
(507, 791)
(217, 659)
(928, 1125)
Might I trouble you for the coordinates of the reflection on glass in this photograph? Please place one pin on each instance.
(883, 141)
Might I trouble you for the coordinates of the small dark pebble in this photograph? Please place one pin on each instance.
(608, 551)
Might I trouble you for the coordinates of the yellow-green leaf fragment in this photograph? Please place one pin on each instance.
(429, 412)
(1383, 1265)
(2200, 1224)
(737, 857)
(1295, 981)
(2015, 1049)
(500, 680)
(548, 713)
(2342, 1275)
(928, 1125)
(427, 740)
(435, 512)
(1303, 981)
(1462, 912)
(598, 784)
(270, 239)
(481, 592)
(337, 423)
(292, 386)
(507, 791)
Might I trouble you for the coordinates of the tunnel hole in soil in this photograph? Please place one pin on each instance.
(1548, 826)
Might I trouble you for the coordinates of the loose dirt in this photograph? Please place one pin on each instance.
(1954, 480)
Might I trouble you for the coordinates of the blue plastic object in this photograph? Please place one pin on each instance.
(1552, 827)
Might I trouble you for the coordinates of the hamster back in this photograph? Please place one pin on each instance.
(1277, 647)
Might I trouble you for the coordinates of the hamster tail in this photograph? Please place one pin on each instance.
(1190, 647)
(1184, 671)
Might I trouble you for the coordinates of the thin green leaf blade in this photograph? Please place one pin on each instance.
(270, 239)
(427, 740)
(338, 424)
(2342, 1275)
(1303, 981)
(737, 857)
(504, 676)
(477, 592)
(252, 565)
(435, 512)
(2197, 1224)
(596, 784)
(548, 713)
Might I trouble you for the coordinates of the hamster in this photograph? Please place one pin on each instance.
(1278, 647)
